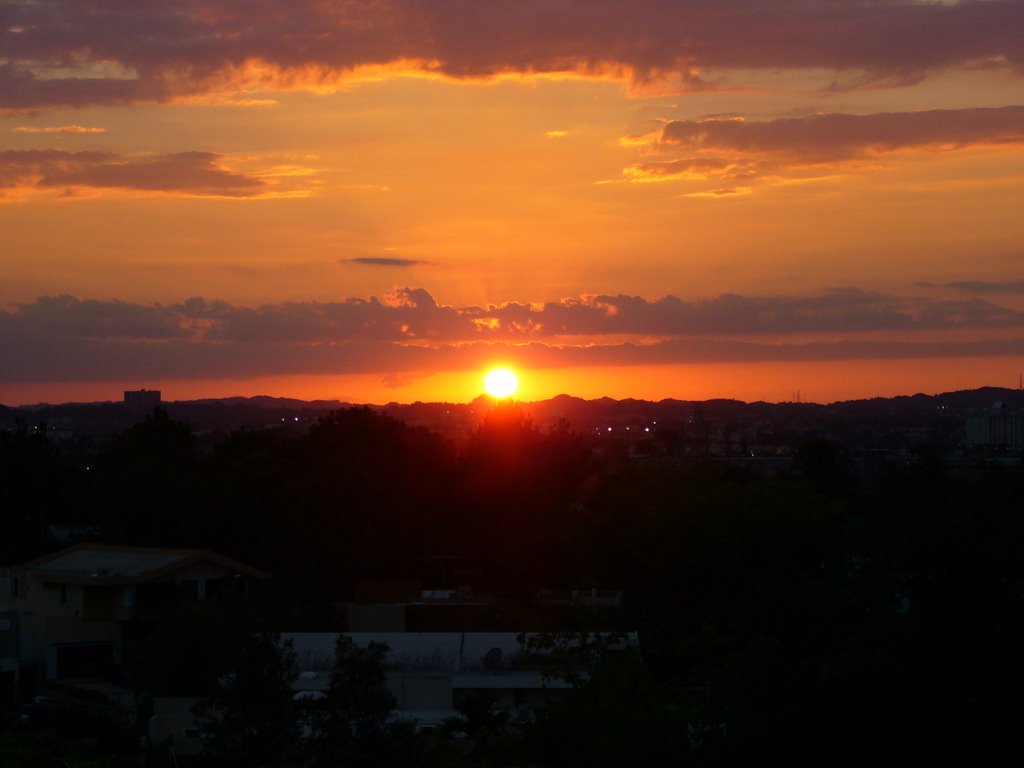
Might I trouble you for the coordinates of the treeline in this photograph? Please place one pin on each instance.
(793, 616)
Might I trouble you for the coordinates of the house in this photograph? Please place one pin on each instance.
(67, 615)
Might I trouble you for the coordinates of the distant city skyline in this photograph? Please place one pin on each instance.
(837, 381)
(380, 201)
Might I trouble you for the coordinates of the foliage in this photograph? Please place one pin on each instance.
(479, 736)
(47, 749)
(352, 725)
(477, 711)
(34, 489)
(192, 647)
(145, 481)
(615, 716)
(570, 656)
(250, 720)
(515, 487)
(825, 463)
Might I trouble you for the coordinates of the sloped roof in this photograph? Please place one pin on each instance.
(105, 564)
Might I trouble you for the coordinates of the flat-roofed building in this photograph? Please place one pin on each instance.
(430, 673)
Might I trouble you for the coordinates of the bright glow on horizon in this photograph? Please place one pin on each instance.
(501, 383)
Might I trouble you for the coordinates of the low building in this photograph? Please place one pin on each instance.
(430, 673)
(406, 607)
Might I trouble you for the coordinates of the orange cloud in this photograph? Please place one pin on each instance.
(669, 170)
(722, 192)
(57, 129)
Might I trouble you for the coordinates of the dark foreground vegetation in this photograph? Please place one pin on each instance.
(800, 617)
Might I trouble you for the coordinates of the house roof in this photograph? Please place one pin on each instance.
(105, 564)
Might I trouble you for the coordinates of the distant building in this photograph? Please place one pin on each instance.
(141, 400)
(998, 428)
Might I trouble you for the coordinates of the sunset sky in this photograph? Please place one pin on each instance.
(377, 200)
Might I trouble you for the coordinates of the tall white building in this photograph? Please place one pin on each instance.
(1000, 427)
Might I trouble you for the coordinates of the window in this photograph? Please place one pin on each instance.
(128, 596)
(15, 582)
(65, 598)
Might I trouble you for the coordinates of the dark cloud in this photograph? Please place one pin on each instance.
(66, 316)
(705, 350)
(979, 286)
(382, 261)
(409, 314)
(64, 359)
(64, 338)
(159, 51)
(839, 310)
(22, 89)
(834, 137)
(732, 149)
(191, 173)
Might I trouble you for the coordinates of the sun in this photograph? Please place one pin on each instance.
(501, 382)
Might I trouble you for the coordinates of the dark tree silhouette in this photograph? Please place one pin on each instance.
(351, 725)
(147, 485)
(251, 719)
